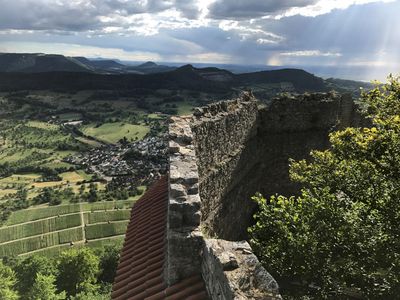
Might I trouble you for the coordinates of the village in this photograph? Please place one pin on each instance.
(125, 164)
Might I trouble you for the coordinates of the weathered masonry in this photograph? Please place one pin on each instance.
(219, 157)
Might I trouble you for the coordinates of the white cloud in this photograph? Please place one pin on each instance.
(324, 7)
(77, 50)
(247, 31)
(310, 53)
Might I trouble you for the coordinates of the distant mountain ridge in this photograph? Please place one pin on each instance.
(185, 77)
(42, 71)
(39, 63)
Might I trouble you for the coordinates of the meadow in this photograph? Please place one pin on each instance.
(111, 133)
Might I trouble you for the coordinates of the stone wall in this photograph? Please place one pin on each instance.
(243, 147)
(184, 238)
(232, 271)
(219, 158)
(222, 133)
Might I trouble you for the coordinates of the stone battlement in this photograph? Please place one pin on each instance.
(219, 158)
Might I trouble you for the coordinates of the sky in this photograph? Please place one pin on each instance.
(361, 37)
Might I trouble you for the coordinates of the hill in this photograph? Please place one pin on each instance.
(35, 63)
(347, 86)
(150, 68)
(186, 77)
(301, 80)
(39, 62)
(102, 65)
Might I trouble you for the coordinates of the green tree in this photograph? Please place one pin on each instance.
(341, 236)
(27, 270)
(91, 296)
(7, 283)
(93, 195)
(109, 262)
(44, 289)
(77, 271)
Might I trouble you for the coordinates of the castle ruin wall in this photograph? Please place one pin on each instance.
(243, 147)
(219, 158)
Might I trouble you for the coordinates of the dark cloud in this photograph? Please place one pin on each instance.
(236, 9)
(69, 15)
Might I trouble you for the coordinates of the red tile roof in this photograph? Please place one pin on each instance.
(140, 270)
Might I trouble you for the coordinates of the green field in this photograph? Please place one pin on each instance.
(185, 108)
(49, 230)
(99, 243)
(39, 227)
(33, 143)
(20, 246)
(112, 132)
(32, 214)
(105, 216)
(96, 231)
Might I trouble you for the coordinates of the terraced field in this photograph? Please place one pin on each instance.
(50, 230)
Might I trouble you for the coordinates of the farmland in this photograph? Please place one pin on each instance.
(65, 178)
(113, 132)
(52, 229)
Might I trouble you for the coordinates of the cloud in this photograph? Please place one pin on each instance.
(247, 32)
(284, 32)
(78, 50)
(92, 15)
(228, 9)
(308, 53)
(325, 6)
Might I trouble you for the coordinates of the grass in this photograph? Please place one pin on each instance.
(111, 133)
(39, 227)
(75, 176)
(20, 178)
(96, 231)
(155, 116)
(38, 242)
(108, 205)
(55, 227)
(42, 125)
(5, 192)
(89, 142)
(69, 179)
(185, 108)
(32, 214)
(105, 216)
(117, 240)
(50, 252)
(31, 182)
(33, 143)
(70, 117)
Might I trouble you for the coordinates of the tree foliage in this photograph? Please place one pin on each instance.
(44, 289)
(340, 237)
(7, 283)
(78, 270)
(28, 269)
(109, 259)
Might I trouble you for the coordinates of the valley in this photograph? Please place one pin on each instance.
(73, 159)
(77, 149)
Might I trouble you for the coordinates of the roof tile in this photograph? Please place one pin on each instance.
(140, 270)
